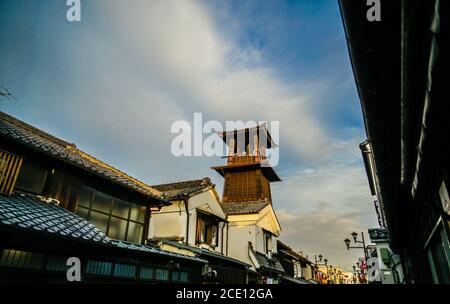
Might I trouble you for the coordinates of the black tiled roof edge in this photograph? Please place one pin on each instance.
(179, 190)
(264, 262)
(31, 213)
(206, 252)
(236, 208)
(52, 146)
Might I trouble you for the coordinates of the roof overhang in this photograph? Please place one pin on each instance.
(266, 170)
(374, 49)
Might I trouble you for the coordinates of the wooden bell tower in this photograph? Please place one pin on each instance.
(247, 172)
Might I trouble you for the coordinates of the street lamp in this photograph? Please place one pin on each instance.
(347, 243)
(355, 238)
(363, 246)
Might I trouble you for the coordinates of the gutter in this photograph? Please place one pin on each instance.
(221, 239)
(185, 200)
(367, 158)
(228, 226)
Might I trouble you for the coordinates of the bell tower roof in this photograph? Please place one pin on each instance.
(260, 130)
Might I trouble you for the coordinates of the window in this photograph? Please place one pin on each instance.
(22, 259)
(183, 276)
(207, 228)
(124, 271)
(117, 218)
(31, 177)
(175, 276)
(10, 166)
(438, 252)
(98, 268)
(162, 274)
(56, 263)
(267, 241)
(146, 273)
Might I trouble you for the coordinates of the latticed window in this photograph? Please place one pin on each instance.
(21, 259)
(125, 270)
(162, 274)
(10, 165)
(117, 218)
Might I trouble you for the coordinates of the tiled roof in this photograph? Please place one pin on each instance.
(204, 252)
(154, 250)
(31, 214)
(55, 147)
(26, 212)
(235, 208)
(295, 281)
(264, 262)
(181, 189)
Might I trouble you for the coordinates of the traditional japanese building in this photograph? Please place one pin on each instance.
(57, 201)
(401, 66)
(195, 224)
(298, 270)
(247, 201)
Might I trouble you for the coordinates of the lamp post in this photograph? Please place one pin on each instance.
(356, 241)
(318, 262)
(316, 268)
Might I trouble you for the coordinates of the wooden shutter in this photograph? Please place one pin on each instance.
(199, 230)
(10, 165)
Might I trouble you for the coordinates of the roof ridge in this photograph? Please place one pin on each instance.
(37, 131)
(207, 180)
(119, 172)
(69, 150)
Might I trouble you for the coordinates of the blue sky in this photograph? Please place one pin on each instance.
(116, 81)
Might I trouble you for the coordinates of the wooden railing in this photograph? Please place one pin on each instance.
(245, 159)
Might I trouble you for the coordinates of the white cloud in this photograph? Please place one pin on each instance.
(126, 75)
(179, 49)
(166, 61)
(319, 207)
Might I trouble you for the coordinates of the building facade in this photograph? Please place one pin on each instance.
(401, 71)
(57, 202)
(195, 224)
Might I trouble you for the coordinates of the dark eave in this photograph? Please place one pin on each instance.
(267, 171)
(374, 50)
(262, 128)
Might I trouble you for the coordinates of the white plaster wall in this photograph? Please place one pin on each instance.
(170, 221)
(238, 238)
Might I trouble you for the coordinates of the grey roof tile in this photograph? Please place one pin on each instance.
(264, 262)
(179, 190)
(28, 213)
(202, 252)
(234, 208)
